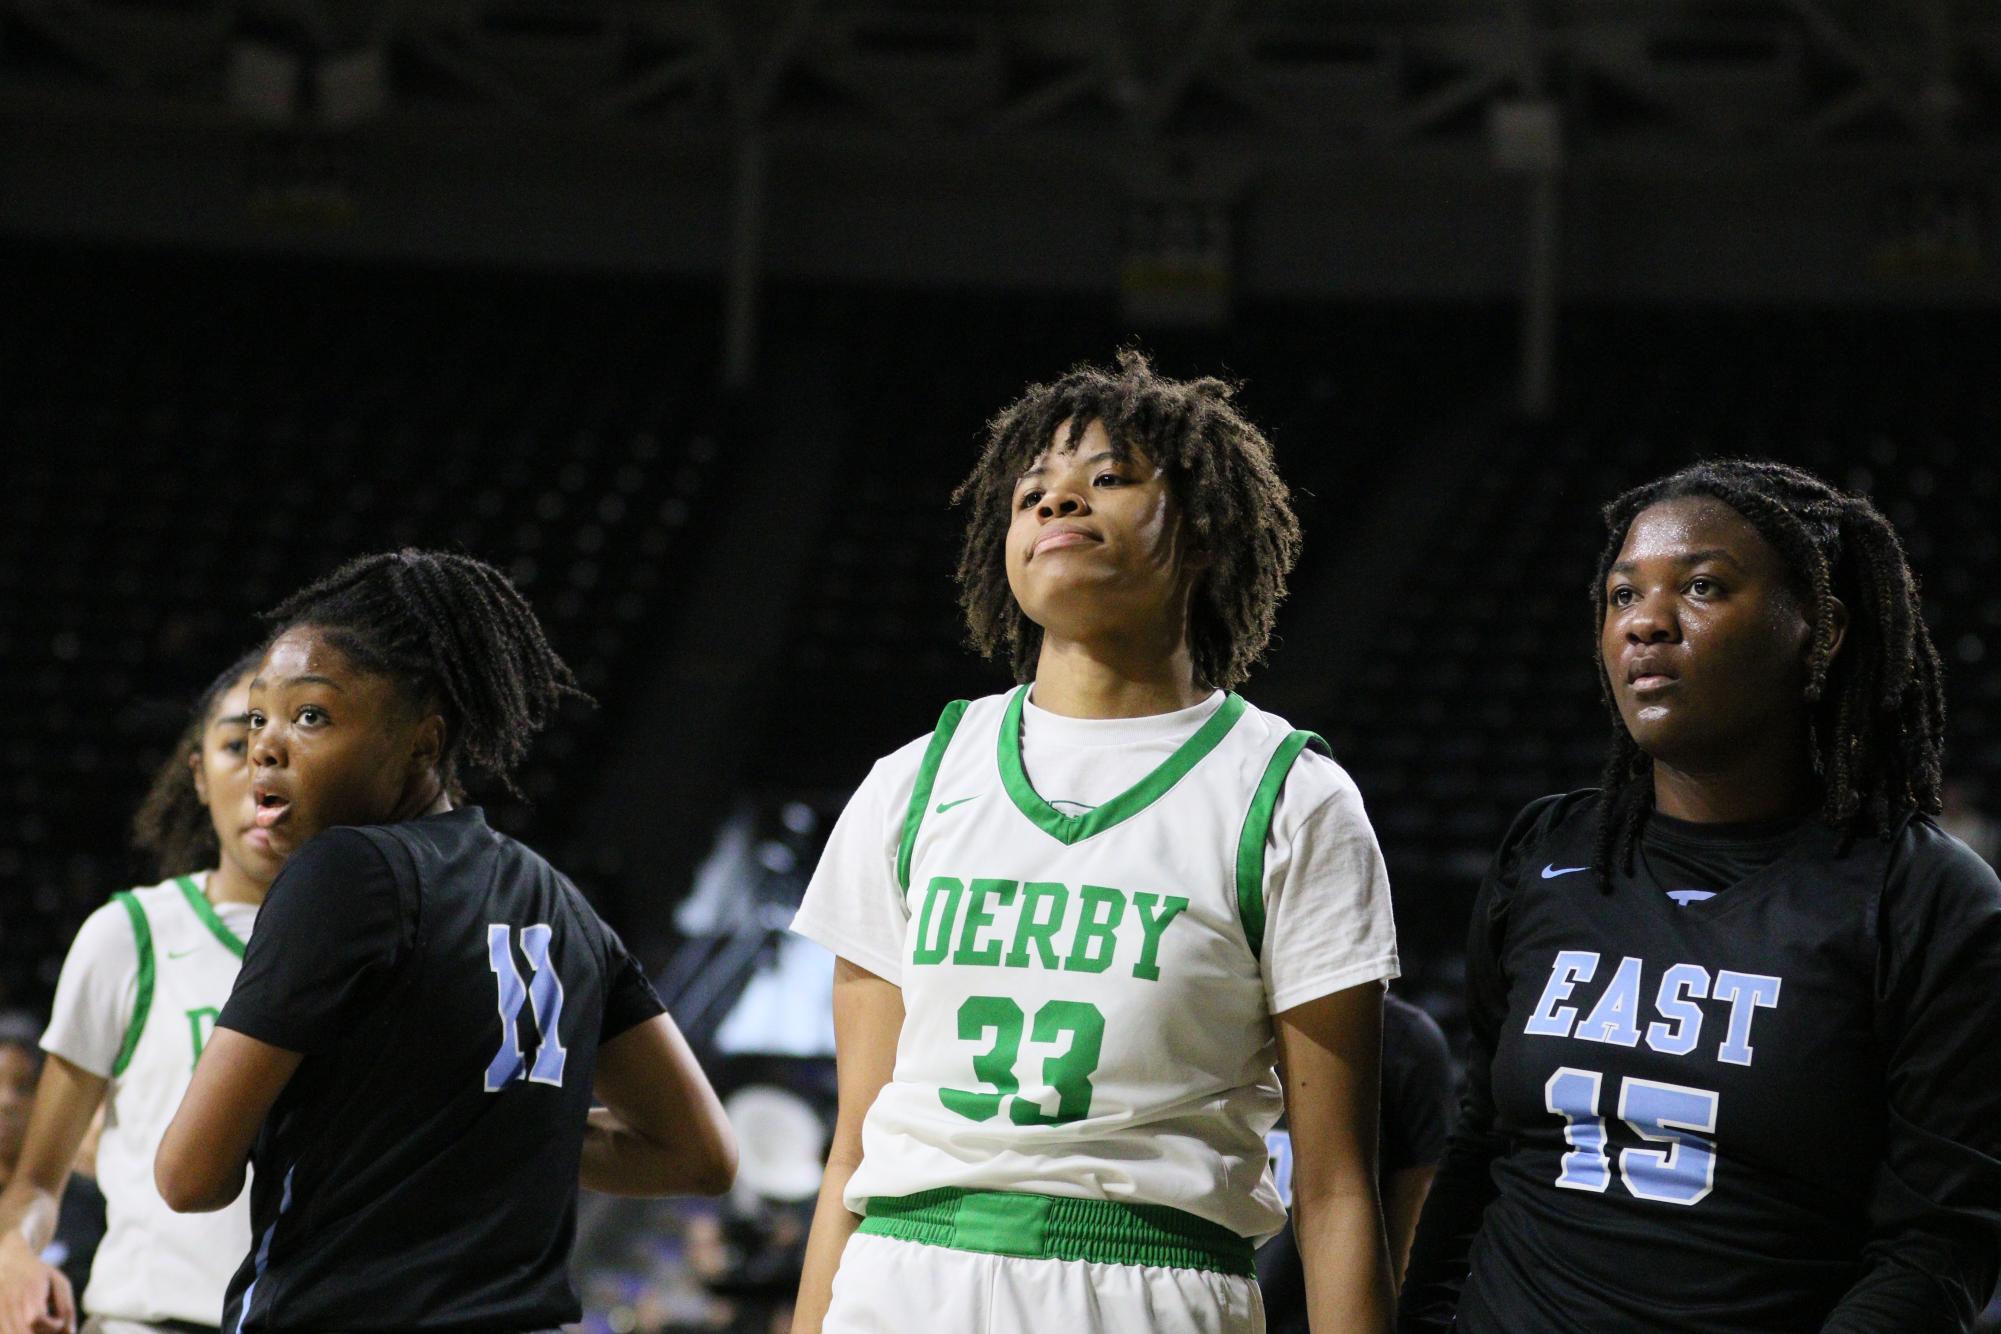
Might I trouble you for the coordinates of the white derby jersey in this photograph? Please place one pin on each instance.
(138, 1000)
(1085, 1012)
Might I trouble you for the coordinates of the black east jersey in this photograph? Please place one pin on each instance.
(449, 990)
(1752, 1084)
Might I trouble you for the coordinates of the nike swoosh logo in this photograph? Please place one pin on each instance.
(179, 954)
(944, 806)
(1552, 870)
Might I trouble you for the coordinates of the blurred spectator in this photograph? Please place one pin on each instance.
(1417, 1111)
(20, 1068)
(80, 1225)
(1966, 821)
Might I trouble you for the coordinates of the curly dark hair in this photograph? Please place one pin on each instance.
(1876, 710)
(456, 636)
(172, 826)
(1220, 468)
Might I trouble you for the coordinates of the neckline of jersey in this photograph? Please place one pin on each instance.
(1746, 834)
(1069, 829)
(1155, 729)
(208, 915)
(1808, 838)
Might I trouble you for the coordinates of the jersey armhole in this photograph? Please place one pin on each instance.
(920, 797)
(1257, 832)
(142, 935)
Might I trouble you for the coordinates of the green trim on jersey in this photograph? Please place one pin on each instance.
(927, 775)
(206, 911)
(1257, 830)
(1069, 829)
(1054, 1227)
(142, 933)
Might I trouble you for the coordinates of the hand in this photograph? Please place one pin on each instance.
(35, 1298)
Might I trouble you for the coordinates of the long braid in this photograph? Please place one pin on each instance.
(457, 636)
(1876, 710)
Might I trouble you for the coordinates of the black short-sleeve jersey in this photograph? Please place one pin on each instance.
(1417, 1089)
(449, 990)
(1753, 1084)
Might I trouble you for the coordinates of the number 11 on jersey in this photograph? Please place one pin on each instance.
(544, 997)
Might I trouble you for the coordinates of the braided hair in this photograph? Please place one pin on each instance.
(1875, 711)
(457, 637)
(172, 826)
(1227, 489)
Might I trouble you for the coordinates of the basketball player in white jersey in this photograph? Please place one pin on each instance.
(1086, 926)
(138, 999)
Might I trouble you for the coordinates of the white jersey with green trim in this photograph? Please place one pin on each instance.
(138, 999)
(1087, 993)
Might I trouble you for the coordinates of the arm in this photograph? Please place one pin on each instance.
(1328, 1055)
(200, 1165)
(1935, 1207)
(1403, 1198)
(661, 1130)
(332, 930)
(33, 1295)
(868, 1018)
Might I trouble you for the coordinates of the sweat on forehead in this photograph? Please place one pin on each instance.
(1696, 525)
(1693, 520)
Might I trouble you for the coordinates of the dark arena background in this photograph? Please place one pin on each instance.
(690, 315)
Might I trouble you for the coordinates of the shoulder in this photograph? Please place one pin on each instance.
(1319, 800)
(1406, 1023)
(153, 897)
(107, 939)
(1552, 833)
(1565, 818)
(1414, 1046)
(898, 769)
(345, 847)
(1922, 848)
(155, 902)
(1315, 780)
(106, 948)
(893, 778)
(337, 861)
(1936, 881)
(573, 899)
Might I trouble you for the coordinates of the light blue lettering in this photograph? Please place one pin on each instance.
(1568, 969)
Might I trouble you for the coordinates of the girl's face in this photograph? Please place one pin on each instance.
(222, 781)
(1704, 642)
(332, 745)
(1097, 541)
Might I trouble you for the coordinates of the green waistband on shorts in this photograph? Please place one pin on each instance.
(1053, 1227)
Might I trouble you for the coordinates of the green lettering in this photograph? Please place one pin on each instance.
(924, 951)
(1091, 949)
(201, 1023)
(970, 952)
(1029, 926)
(1149, 951)
(1070, 1073)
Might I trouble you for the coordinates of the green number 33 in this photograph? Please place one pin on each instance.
(1068, 1073)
